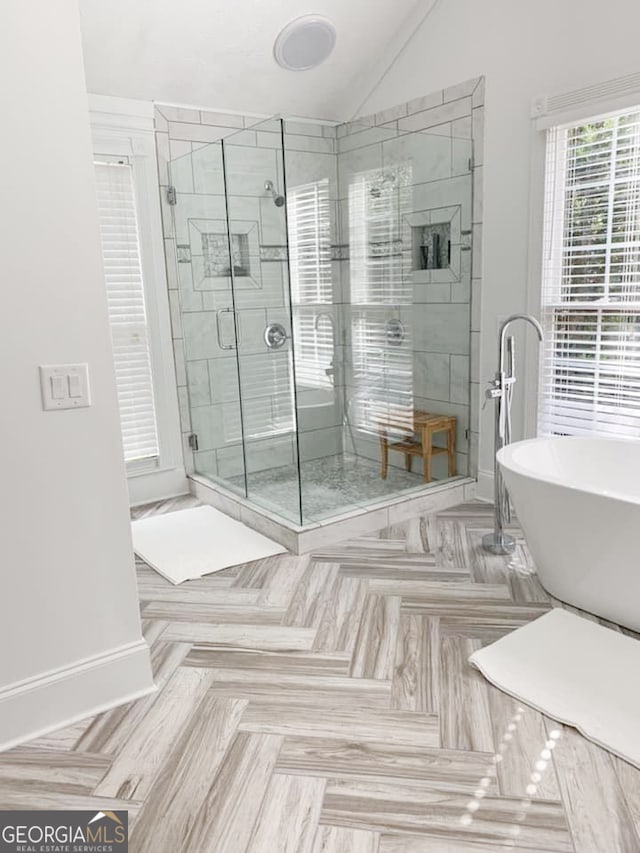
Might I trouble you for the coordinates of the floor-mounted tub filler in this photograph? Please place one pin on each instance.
(500, 390)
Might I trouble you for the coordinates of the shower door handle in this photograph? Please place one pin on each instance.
(219, 329)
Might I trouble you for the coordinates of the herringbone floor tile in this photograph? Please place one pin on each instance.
(324, 704)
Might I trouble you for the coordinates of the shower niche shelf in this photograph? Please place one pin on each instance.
(431, 246)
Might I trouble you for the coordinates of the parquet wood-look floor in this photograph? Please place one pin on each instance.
(324, 704)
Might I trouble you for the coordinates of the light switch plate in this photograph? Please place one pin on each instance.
(65, 386)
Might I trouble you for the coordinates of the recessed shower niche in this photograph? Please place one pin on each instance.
(432, 246)
(215, 248)
(216, 255)
(436, 242)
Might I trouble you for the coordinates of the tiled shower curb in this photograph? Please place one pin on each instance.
(303, 539)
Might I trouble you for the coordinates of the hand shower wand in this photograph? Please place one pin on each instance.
(501, 390)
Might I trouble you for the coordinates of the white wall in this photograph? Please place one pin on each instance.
(525, 50)
(70, 628)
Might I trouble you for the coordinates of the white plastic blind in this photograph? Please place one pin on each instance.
(382, 375)
(309, 220)
(381, 291)
(267, 397)
(127, 316)
(590, 382)
(379, 200)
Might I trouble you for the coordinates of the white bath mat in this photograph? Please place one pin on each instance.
(193, 542)
(575, 671)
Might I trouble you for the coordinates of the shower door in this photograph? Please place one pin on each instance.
(257, 231)
(207, 312)
(230, 224)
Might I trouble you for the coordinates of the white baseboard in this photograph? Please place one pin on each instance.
(65, 696)
(484, 491)
(157, 486)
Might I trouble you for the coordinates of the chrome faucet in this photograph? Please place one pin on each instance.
(501, 391)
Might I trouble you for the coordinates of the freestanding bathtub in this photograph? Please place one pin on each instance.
(578, 502)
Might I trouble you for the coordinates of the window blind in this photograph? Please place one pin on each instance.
(382, 375)
(381, 285)
(590, 373)
(267, 396)
(126, 306)
(309, 220)
(379, 237)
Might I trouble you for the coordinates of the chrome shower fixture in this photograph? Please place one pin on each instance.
(278, 200)
(501, 391)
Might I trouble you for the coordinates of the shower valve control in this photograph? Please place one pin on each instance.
(275, 335)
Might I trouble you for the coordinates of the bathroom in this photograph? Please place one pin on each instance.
(279, 303)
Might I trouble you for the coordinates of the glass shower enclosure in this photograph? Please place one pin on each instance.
(324, 281)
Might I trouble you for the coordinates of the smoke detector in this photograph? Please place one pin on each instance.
(305, 43)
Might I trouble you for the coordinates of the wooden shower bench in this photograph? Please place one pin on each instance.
(425, 426)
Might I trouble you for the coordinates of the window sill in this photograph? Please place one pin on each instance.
(143, 466)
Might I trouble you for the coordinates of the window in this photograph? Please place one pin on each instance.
(126, 171)
(126, 305)
(311, 282)
(267, 398)
(382, 375)
(381, 293)
(590, 381)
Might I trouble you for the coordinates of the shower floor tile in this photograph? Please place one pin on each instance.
(330, 485)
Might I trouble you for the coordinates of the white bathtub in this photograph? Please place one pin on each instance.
(578, 502)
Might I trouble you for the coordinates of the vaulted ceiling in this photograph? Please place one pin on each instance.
(219, 53)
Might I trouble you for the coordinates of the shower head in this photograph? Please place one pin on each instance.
(278, 200)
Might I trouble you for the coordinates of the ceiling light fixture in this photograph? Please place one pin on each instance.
(305, 43)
